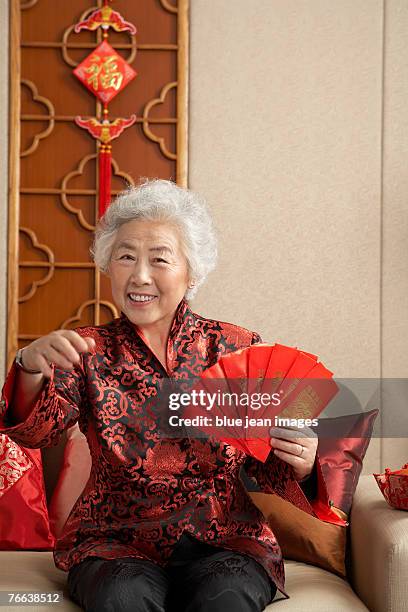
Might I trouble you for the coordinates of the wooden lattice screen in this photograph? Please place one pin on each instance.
(53, 171)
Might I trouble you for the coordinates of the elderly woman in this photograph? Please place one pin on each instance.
(162, 524)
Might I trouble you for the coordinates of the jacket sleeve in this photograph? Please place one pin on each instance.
(276, 476)
(56, 409)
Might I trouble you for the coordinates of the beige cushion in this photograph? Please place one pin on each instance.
(313, 589)
(379, 536)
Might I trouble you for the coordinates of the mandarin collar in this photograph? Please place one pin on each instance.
(182, 317)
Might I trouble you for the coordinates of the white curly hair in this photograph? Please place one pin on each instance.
(161, 200)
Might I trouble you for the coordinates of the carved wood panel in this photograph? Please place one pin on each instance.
(53, 163)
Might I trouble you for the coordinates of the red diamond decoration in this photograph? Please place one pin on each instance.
(104, 72)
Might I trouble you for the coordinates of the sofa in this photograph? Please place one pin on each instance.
(378, 550)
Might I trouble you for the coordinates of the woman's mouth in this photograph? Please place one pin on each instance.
(141, 299)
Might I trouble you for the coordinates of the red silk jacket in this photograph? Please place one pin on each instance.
(143, 491)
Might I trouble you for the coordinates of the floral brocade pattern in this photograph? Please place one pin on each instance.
(13, 463)
(145, 491)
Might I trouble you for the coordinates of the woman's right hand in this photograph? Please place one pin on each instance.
(63, 348)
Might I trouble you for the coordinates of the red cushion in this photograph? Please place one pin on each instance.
(72, 479)
(23, 506)
(341, 457)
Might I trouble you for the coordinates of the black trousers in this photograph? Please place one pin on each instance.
(198, 578)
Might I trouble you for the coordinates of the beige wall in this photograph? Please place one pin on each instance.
(286, 144)
(395, 212)
(300, 145)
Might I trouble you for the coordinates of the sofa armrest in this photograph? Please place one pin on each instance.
(379, 549)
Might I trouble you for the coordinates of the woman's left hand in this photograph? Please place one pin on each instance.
(297, 447)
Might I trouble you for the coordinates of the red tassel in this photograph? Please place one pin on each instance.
(108, 174)
(105, 157)
(101, 203)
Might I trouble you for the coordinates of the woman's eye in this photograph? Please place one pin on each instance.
(125, 256)
(160, 260)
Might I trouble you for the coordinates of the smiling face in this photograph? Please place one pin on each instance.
(148, 272)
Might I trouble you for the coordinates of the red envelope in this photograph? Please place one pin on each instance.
(311, 395)
(301, 365)
(258, 361)
(282, 357)
(305, 387)
(214, 380)
(300, 368)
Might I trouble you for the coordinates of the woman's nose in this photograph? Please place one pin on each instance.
(141, 273)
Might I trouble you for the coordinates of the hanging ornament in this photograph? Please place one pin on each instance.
(105, 18)
(105, 73)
